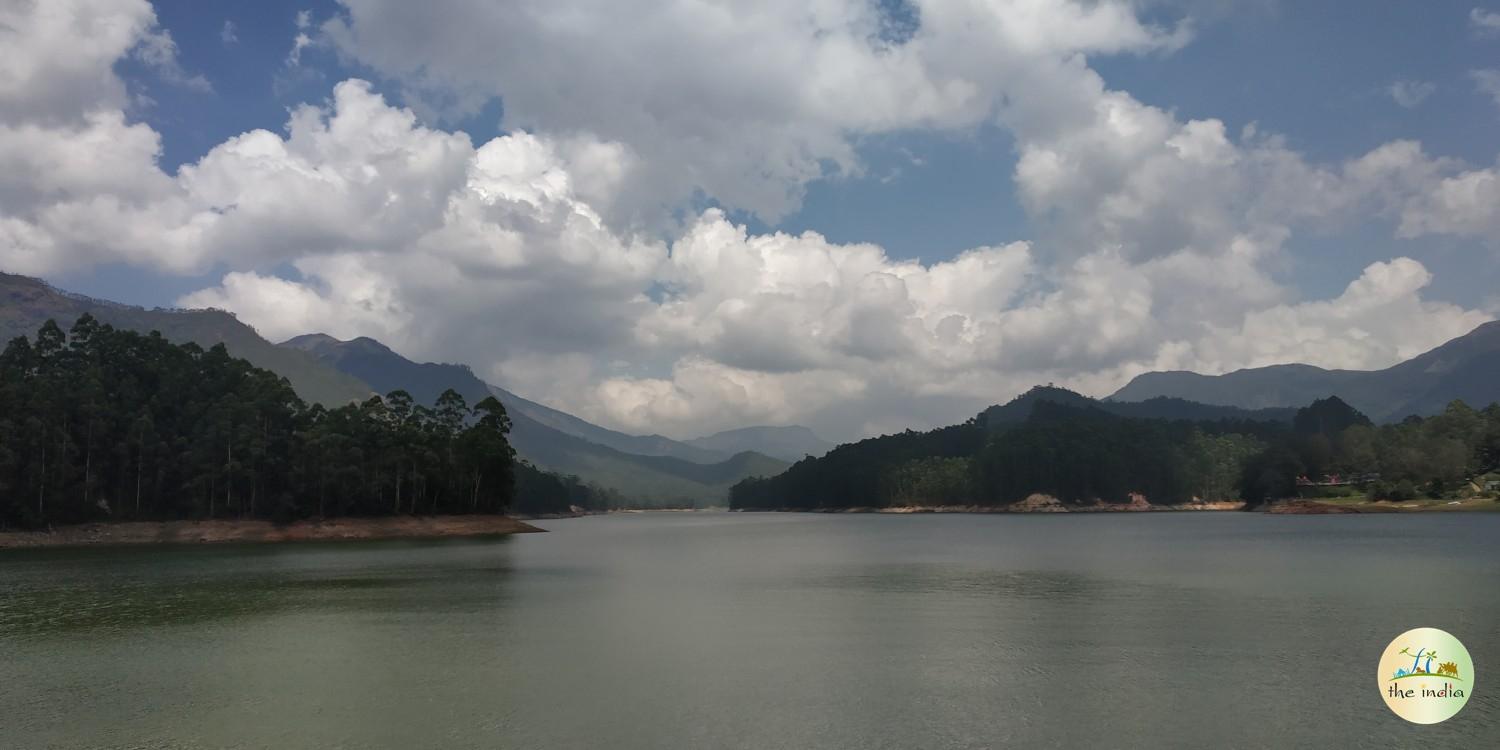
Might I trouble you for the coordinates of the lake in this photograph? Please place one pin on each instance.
(720, 630)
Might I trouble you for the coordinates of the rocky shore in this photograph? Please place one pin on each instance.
(208, 532)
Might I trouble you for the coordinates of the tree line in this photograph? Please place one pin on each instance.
(105, 424)
(1084, 455)
(1441, 456)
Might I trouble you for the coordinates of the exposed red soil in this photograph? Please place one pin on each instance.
(207, 532)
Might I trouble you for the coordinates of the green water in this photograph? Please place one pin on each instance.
(757, 631)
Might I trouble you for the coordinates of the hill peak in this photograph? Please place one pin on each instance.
(1461, 368)
(26, 303)
(309, 341)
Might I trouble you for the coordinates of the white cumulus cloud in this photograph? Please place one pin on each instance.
(746, 101)
(533, 256)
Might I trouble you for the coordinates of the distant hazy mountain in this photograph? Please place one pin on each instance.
(1465, 368)
(385, 371)
(1017, 410)
(27, 303)
(641, 445)
(792, 442)
(644, 468)
(650, 480)
(375, 363)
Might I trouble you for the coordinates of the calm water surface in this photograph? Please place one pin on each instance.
(698, 631)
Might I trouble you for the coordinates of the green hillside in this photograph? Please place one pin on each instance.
(1079, 456)
(552, 439)
(1161, 407)
(27, 303)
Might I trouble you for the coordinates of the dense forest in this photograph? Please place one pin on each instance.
(105, 424)
(1084, 455)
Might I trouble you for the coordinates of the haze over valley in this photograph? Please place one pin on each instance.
(656, 471)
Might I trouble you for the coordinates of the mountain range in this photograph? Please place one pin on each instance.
(656, 469)
(1466, 368)
(27, 303)
(642, 469)
(789, 443)
(1019, 409)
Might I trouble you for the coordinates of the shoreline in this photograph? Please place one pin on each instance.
(1310, 507)
(1284, 507)
(1214, 507)
(258, 531)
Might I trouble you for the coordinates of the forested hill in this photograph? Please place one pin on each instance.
(105, 424)
(1085, 455)
(1161, 407)
(27, 303)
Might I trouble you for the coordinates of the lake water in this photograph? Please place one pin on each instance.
(757, 631)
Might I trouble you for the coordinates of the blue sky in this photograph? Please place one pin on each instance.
(1058, 191)
(1317, 73)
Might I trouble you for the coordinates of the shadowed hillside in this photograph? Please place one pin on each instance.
(1462, 369)
(375, 363)
(1020, 408)
(650, 470)
(27, 303)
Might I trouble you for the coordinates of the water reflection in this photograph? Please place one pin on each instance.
(61, 593)
(952, 579)
(742, 631)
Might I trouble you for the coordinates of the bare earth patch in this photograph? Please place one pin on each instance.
(208, 532)
(1309, 508)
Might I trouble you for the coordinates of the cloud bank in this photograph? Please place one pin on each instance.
(560, 260)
